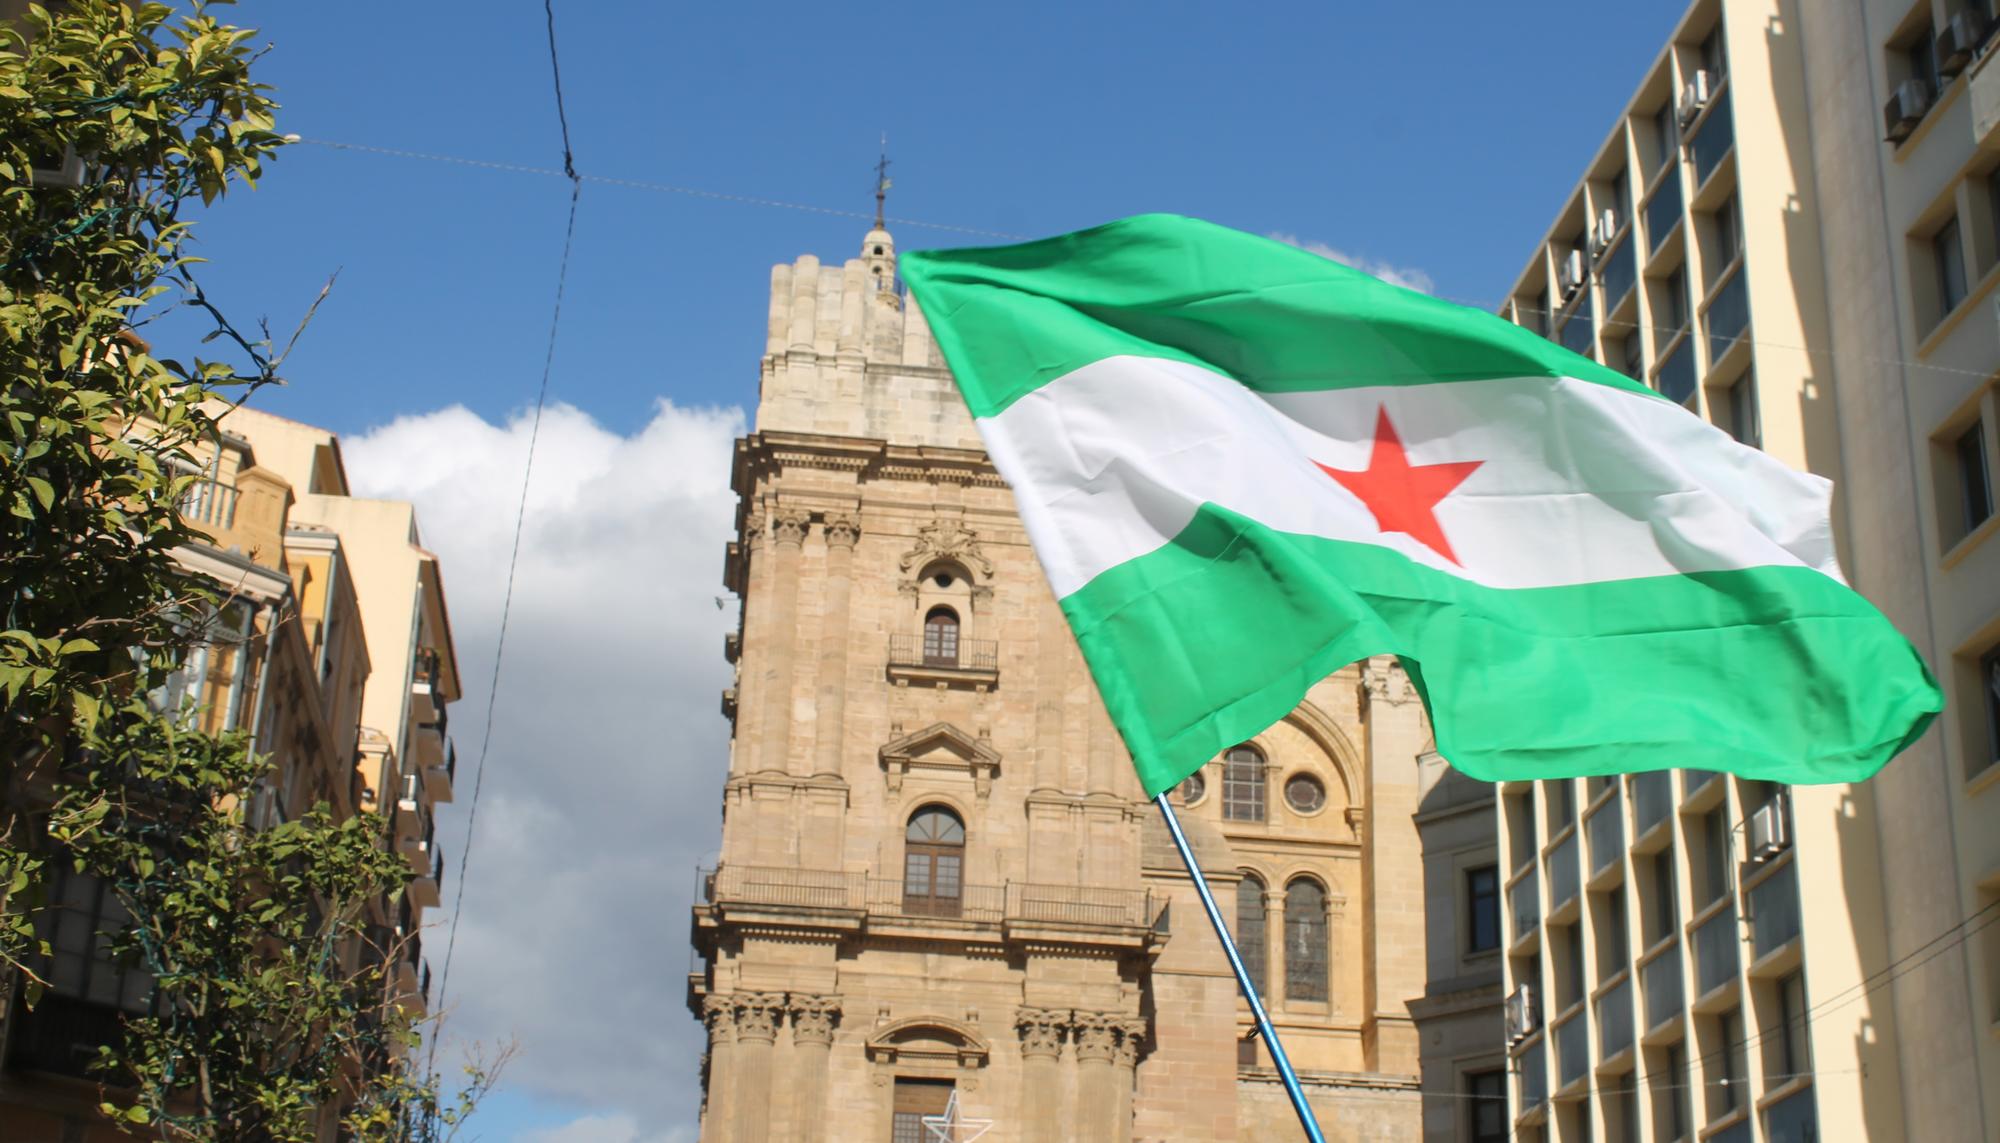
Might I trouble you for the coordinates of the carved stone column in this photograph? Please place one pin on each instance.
(830, 699)
(718, 1111)
(779, 665)
(758, 1015)
(1096, 1092)
(1041, 1032)
(1125, 1064)
(813, 1020)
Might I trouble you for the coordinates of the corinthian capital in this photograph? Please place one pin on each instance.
(1041, 1030)
(842, 530)
(719, 1013)
(813, 1018)
(1096, 1035)
(788, 526)
(758, 1015)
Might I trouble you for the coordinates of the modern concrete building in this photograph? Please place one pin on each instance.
(1693, 955)
(333, 650)
(939, 878)
(1458, 1017)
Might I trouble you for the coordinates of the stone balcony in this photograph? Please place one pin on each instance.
(858, 901)
(973, 664)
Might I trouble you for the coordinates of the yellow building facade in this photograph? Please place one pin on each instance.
(938, 877)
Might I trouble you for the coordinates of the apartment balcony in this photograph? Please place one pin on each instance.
(209, 504)
(1652, 806)
(1660, 981)
(1605, 829)
(1716, 956)
(1565, 876)
(1614, 1020)
(426, 697)
(428, 739)
(1572, 1053)
(439, 779)
(856, 900)
(972, 664)
(427, 888)
(1524, 900)
(1531, 1081)
(1774, 920)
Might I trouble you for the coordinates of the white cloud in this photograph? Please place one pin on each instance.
(1407, 276)
(603, 783)
(604, 1129)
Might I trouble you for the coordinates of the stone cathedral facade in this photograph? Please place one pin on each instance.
(939, 881)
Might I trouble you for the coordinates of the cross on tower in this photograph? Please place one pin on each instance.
(882, 183)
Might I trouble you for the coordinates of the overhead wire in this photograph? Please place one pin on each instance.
(520, 524)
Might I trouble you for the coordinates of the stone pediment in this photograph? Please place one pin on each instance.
(944, 748)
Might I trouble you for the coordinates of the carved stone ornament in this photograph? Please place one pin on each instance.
(1131, 1033)
(813, 1018)
(788, 526)
(945, 748)
(758, 1015)
(1384, 680)
(1041, 1030)
(719, 1013)
(1096, 1035)
(950, 540)
(842, 531)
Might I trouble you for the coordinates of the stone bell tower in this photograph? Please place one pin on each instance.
(938, 876)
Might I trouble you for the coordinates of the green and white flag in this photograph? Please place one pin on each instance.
(1244, 466)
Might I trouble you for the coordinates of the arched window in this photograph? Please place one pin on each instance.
(1305, 940)
(1251, 929)
(933, 863)
(1243, 784)
(941, 638)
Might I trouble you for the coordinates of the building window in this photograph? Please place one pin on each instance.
(941, 638)
(1714, 854)
(1562, 804)
(1616, 946)
(1192, 788)
(933, 863)
(1714, 60)
(1948, 255)
(1989, 695)
(82, 919)
(1571, 964)
(1243, 776)
(1251, 944)
(1673, 1095)
(1746, 424)
(1486, 1098)
(1920, 56)
(916, 1098)
(1664, 133)
(1794, 1051)
(1726, 1094)
(1728, 236)
(1482, 908)
(1975, 482)
(1632, 357)
(1304, 793)
(1666, 910)
(1305, 940)
(1246, 1052)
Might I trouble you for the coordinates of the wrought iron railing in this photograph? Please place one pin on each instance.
(963, 655)
(886, 897)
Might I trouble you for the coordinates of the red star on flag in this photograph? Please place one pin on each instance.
(1403, 496)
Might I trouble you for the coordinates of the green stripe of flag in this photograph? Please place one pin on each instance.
(1272, 316)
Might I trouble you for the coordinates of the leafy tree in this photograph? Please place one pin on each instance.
(269, 1003)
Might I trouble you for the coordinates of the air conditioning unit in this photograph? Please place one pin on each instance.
(1960, 41)
(1571, 275)
(1522, 1019)
(1694, 97)
(1602, 230)
(1767, 831)
(1906, 108)
(65, 170)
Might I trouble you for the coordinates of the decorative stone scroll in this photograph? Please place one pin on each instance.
(948, 540)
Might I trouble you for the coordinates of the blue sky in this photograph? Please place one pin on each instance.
(1435, 139)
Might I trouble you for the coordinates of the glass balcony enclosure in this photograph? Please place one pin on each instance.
(1712, 140)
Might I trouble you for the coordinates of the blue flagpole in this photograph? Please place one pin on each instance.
(1264, 1029)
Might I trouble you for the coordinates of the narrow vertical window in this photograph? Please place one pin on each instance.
(1251, 932)
(1243, 779)
(1482, 908)
(1989, 695)
(1975, 484)
(1305, 940)
(1486, 1093)
(1666, 910)
(1948, 253)
(941, 638)
(1794, 1053)
(1664, 132)
(1715, 854)
(1746, 423)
